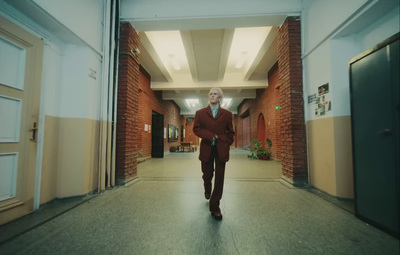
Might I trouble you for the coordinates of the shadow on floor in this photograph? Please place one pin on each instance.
(46, 213)
(150, 169)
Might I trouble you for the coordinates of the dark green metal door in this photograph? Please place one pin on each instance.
(374, 79)
(157, 135)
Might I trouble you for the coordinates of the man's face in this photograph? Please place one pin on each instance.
(214, 97)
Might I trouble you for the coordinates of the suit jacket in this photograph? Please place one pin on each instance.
(205, 127)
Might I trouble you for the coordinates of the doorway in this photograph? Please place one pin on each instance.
(20, 80)
(261, 130)
(157, 135)
(374, 84)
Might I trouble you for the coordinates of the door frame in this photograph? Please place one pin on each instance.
(353, 60)
(157, 129)
(33, 154)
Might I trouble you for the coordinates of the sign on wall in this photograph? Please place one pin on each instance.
(321, 100)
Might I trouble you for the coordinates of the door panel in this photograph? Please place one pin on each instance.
(374, 92)
(20, 78)
(157, 136)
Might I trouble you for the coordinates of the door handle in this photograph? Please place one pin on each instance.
(34, 130)
(386, 132)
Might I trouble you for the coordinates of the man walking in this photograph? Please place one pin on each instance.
(214, 126)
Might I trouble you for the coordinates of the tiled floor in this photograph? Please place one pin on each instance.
(165, 213)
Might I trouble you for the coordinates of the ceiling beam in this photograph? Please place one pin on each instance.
(268, 42)
(145, 42)
(226, 47)
(173, 95)
(188, 45)
(236, 84)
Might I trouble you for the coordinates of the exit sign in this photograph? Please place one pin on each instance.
(277, 107)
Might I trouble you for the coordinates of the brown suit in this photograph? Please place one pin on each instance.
(206, 126)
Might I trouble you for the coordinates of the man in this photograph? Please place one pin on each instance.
(214, 126)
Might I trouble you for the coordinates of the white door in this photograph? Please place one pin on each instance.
(21, 55)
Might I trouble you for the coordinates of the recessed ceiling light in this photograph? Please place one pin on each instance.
(241, 59)
(174, 62)
(226, 102)
(193, 103)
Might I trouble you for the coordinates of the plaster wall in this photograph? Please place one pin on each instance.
(83, 18)
(332, 36)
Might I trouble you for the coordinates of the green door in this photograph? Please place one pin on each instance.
(374, 79)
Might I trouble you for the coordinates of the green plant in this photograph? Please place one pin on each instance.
(257, 152)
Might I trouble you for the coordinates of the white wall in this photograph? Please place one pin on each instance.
(325, 60)
(315, 74)
(321, 18)
(383, 28)
(161, 9)
(80, 83)
(67, 88)
(52, 78)
(84, 18)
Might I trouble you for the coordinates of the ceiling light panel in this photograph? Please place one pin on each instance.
(226, 102)
(169, 46)
(193, 103)
(246, 43)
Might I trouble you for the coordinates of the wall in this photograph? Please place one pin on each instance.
(127, 106)
(86, 22)
(175, 9)
(329, 45)
(264, 104)
(150, 101)
(72, 119)
(68, 138)
(189, 135)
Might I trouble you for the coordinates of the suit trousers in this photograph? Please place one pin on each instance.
(208, 173)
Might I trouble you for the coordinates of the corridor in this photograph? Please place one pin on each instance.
(164, 212)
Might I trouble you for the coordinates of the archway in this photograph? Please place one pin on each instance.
(261, 129)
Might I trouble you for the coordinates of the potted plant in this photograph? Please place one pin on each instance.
(257, 152)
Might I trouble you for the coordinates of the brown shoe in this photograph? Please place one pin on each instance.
(217, 215)
(207, 195)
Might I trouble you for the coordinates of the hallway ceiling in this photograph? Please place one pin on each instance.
(227, 44)
(185, 63)
(189, 47)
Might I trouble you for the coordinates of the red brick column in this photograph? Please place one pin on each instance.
(293, 135)
(128, 97)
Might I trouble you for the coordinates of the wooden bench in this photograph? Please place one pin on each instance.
(186, 146)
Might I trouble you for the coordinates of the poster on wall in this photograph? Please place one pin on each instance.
(172, 133)
(311, 99)
(322, 102)
(323, 89)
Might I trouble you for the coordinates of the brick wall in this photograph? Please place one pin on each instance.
(190, 136)
(150, 101)
(246, 131)
(126, 144)
(264, 104)
(293, 138)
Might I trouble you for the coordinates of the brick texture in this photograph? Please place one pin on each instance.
(263, 105)
(190, 136)
(151, 101)
(127, 119)
(292, 126)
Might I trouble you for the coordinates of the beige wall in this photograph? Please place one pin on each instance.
(330, 156)
(70, 157)
(343, 157)
(48, 188)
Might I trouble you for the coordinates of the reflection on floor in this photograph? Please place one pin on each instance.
(165, 213)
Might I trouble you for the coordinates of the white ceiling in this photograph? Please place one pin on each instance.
(206, 39)
(186, 64)
(205, 48)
